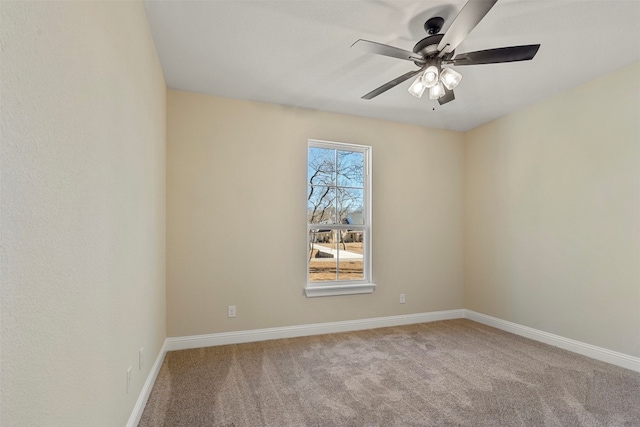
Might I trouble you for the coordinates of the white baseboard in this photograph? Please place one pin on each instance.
(136, 414)
(598, 353)
(237, 337)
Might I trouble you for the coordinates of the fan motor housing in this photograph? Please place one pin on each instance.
(428, 46)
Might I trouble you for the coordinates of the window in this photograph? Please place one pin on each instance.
(338, 219)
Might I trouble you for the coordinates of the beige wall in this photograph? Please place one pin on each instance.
(548, 199)
(236, 191)
(553, 215)
(83, 210)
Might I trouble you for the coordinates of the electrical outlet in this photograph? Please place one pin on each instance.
(231, 311)
(402, 299)
(141, 358)
(128, 379)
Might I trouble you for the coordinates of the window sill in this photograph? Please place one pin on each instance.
(332, 290)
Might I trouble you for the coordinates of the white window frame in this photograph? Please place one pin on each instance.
(345, 287)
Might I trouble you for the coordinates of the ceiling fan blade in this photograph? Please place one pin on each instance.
(447, 97)
(493, 56)
(393, 83)
(386, 50)
(472, 13)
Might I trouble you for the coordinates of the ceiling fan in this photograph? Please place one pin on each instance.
(436, 50)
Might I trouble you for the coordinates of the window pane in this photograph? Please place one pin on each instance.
(321, 169)
(350, 169)
(351, 255)
(350, 206)
(322, 256)
(321, 202)
(337, 215)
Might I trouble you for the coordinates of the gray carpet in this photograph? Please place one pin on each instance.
(449, 373)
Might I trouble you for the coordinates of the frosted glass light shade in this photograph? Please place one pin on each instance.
(437, 91)
(430, 76)
(450, 78)
(417, 88)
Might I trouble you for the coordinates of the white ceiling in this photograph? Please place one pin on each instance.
(297, 52)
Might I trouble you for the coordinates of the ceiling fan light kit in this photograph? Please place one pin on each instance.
(436, 91)
(450, 78)
(435, 82)
(418, 87)
(436, 50)
(430, 76)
